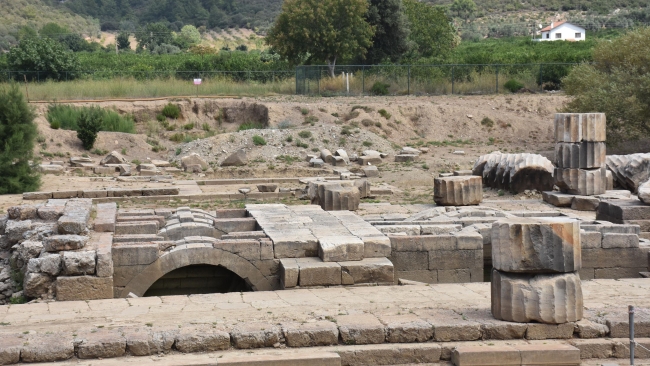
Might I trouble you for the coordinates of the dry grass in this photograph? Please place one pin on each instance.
(131, 88)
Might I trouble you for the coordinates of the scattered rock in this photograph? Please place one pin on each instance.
(113, 158)
(267, 187)
(193, 159)
(238, 158)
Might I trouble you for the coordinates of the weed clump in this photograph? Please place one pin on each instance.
(513, 85)
(487, 122)
(259, 140)
(171, 111)
(384, 113)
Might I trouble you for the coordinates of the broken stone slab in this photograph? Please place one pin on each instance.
(50, 169)
(578, 127)
(267, 187)
(585, 203)
(583, 155)
(558, 199)
(340, 248)
(338, 161)
(458, 191)
(113, 157)
(409, 151)
(316, 163)
(536, 245)
(405, 158)
(370, 160)
(14, 230)
(36, 284)
(237, 158)
(629, 171)
(644, 192)
(161, 163)
(370, 171)
(57, 243)
(23, 212)
(581, 181)
(523, 298)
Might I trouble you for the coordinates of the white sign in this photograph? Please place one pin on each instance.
(197, 81)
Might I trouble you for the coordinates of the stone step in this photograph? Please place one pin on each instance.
(310, 272)
(516, 355)
(137, 238)
(137, 228)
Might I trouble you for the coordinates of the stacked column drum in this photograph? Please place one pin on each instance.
(580, 153)
(535, 275)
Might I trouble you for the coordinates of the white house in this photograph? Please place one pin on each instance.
(562, 31)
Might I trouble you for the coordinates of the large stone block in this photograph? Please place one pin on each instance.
(458, 191)
(79, 263)
(360, 329)
(551, 299)
(536, 245)
(337, 198)
(314, 272)
(581, 181)
(582, 155)
(369, 270)
(578, 127)
(620, 211)
(134, 254)
(58, 243)
(135, 228)
(340, 248)
(105, 219)
(319, 333)
(84, 288)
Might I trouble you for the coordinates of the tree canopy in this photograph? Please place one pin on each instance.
(45, 55)
(17, 135)
(391, 39)
(618, 84)
(321, 30)
(431, 29)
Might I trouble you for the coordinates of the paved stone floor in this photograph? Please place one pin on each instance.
(605, 299)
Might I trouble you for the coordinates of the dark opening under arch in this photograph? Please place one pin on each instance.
(198, 279)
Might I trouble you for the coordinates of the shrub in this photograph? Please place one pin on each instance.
(513, 85)
(335, 115)
(304, 134)
(259, 140)
(171, 111)
(55, 125)
(177, 137)
(367, 122)
(287, 159)
(17, 134)
(188, 126)
(66, 117)
(304, 111)
(301, 144)
(367, 143)
(310, 120)
(379, 88)
(487, 122)
(250, 126)
(346, 130)
(384, 113)
(88, 125)
(289, 138)
(161, 118)
(285, 125)
(178, 151)
(378, 124)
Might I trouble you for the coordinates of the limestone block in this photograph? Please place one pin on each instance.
(376, 246)
(57, 243)
(327, 156)
(23, 212)
(364, 187)
(558, 199)
(585, 203)
(581, 182)
(551, 299)
(318, 273)
(340, 248)
(455, 276)
(36, 284)
(100, 193)
(410, 261)
(405, 158)
(10, 347)
(75, 216)
(134, 228)
(458, 191)
(300, 243)
(311, 334)
(37, 196)
(629, 171)
(104, 170)
(194, 159)
(103, 343)
(316, 163)
(501, 355)
(338, 161)
(79, 263)
(360, 329)
(336, 198)
(590, 239)
(289, 272)
(406, 329)
(455, 259)
(113, 157)
(582, 155)
(577, 127)
(50, 168)
(409, 230)
(14, 230)
(83, 288)
(459, 173)
(50, 264)
(134, 254)
(167, 191)
(368, 270)
(370, 160)
(267, 187)
(536, 245)
(65, 194)
(190, 340)
(255, 335)
(370, 171)
(47, 348)
(105, 219)
(230, 225)
(619, 211)
(616, 240)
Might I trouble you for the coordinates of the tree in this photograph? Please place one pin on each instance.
(391, 39)
(463, 8)
(616, 83)
(47, 56)
(53, 30)
(152, 35)
(17, 134)
(88, 125)
(431, 29)
(123, 42)
(188, 37)
(321, 30)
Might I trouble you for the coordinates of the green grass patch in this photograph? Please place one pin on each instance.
(250, 126)
(304, 134)
(66, 117)
(171, 111)
(259, 140)
(287, 159)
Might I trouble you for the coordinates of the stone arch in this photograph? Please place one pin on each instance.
(192, 254)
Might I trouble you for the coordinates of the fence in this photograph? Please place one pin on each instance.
(265, 76)
(428, 79)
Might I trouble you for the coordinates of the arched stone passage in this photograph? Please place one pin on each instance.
(198, 279)
(196, 254)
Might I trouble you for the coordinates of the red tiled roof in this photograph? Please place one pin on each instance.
(553, 26)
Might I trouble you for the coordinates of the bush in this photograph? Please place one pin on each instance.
(304, 111)
(384, 113)
(17, 134)
(55, 125)
(289, 138)
(367, 143)
(487, 122)
(171, 111)
(66, 117)
(188, 126)
(88, 125)
(310, 120)
(250, 126)
(367, 122)
(513, 85)
(259, 140)
(379, 88)
(161, 117)
(301, 144)
(304, 134)
(177, 137)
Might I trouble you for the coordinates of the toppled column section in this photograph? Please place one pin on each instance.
(535, 274)
(515, 172)
(458, 191)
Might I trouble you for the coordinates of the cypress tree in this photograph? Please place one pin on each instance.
(17, 134)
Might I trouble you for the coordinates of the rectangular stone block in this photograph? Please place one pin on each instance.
(360, 329)
(369, 270)
(590, 239)
(376, 246)
(468, 240)
(126, 192)
(439, 229)
(586, 274)
(229, 225)
(75, 216)
(618, 272)
(103, 242)
(105, 219)
(454, 276)
(424, 243)
(581, 181)
(614, 240)
(558, 199)
(455, 259)
(167, 191)
(134, 254)
(623, 210)
(458, 190)
(615, 258)
(549, 354)
(138, 238)
(486, 356)
(297, 244)
(83, 288)
(245, 248)
(289, 272)
(314, 272)
(316, 358)
(58, 243)
(107, 170)
(137, 219)
(134, 228)
(65, 194)
(410, 261)
(340, 248)
(100, 193)
(37, 196)
(582, 155)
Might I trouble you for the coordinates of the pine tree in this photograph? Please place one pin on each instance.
(17, 134)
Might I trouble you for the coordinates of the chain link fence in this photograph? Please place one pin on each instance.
(463, 79)
(265, 76)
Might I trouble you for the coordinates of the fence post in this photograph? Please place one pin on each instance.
(632, 342)
(363, 80)
(452, 79)
(540, 77)
(497, 85)
(408, 88)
